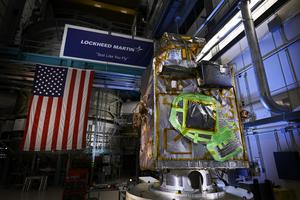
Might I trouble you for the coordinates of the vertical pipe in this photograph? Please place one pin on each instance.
(250, 149)
(134, 26)
(261, 78)
(260, 154)
(96, 130)
(277, 140)
(248, 92)
(283, 131)
(292, 139)
(137, 156)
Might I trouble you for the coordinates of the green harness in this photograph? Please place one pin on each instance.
(220, 142)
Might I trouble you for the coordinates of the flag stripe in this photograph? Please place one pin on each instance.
(82, 113)
(51, 124)
(46, 124)
(68, 111)
(35, 124)
(78, 110)
(72, 132)
(31, 121)
(87, 108)
(56, 124)
(63, 111)
(27, 124)
(41, 124)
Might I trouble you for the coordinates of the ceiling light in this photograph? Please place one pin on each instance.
(232, 29)
(98, 5)
(124, 11)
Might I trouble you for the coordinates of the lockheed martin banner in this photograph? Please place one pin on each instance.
(94, 45)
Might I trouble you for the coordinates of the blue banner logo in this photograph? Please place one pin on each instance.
(98, 46)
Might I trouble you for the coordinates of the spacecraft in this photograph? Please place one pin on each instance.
(190, 126)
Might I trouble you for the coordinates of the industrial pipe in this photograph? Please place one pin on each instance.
(261, 78)
(210, 17)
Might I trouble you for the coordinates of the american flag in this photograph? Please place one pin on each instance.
(58, 111)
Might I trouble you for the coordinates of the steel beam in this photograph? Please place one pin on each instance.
(17, 66)
(288, 117)
(16, 55)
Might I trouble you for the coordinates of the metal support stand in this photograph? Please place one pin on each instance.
(185, 185)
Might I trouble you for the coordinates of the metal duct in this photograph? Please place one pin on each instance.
(261, 78)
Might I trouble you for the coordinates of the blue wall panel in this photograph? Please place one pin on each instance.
(253, 90)
(286, 68)
(294, 50)
(243, 90)
(291, 27)
(277, 37)
(246, 57)
(266, 44)
(274, 73)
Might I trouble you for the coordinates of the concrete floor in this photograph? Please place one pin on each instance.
(49, 194)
